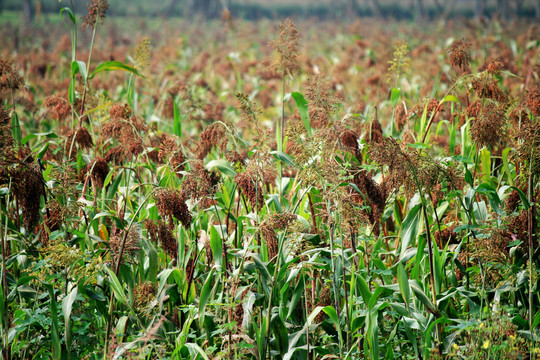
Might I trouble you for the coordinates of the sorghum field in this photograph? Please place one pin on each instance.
(262, 190)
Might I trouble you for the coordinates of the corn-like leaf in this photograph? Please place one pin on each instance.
(222, 165)
(205, 295)
(116, 286)
(56, 350)
(303, 110)
(409, 228)
(114, 65)
(404, 284)
(177, 124)
(67, 305)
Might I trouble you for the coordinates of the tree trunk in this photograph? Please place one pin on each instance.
(28, 11)
(503, 9)
(207, 8)
(420, 10)
(479, 8)
(377, 8)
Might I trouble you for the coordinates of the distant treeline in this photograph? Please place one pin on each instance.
(335, 9)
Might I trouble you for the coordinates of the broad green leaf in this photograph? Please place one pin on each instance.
(118, 222)
(332, 314)
(364, 289)
(116, 286)
(67, 306)
(303, 110)
(216, 244)
(27, 138)
(56, 351)
(285, 158)
(177, 124)
(485, 159)
(452, 137)
(205, 294)
(195, 350)
(395, 95)
(404, 284)
(422, 297)
(114, 65)
(222, 165)
(121, 327)
(16, 128)
(409, 228)
(450, 98)
(79, 66)
(280, 334)
(523, 198)
(506, 166)
(70, 13)
(536, 320)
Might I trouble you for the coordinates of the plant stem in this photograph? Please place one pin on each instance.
(530, 230)
(432, 274)
(5, 321)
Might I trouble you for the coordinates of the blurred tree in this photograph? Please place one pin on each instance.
(479, 8)
(444, 8)
(207, 8)
(503, 9)
(420, 10)
(376, 8)
(28, 11)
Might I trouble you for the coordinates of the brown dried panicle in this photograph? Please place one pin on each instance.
(376, 132)
(287, 48)
(6, 137)
(81, 137)
(121, 112)
(96, 11)
(533, 101)
(199, 183)
(213, 136)
(493, 67)
(321, 101)
(59, 105)
(445, 237)
(236, 158)
(171, 204)
(250, 186)
(276, 222)
(459, 55)
(115, 154)
(528, 150)
(161, 233)
(488, 87)
(10, 79)
(349, 139)
(131, 243)
(487, 129)
(98, 171)
(371, 195)
(27, 185)
(401, 116)
(513, 200)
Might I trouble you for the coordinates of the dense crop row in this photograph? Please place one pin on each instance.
(340, 191)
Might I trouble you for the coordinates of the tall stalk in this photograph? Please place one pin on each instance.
(87, 72)
(530, 218)
(5, 321)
